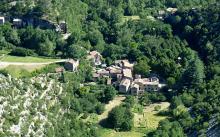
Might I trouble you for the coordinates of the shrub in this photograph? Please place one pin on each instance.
(157, 108)
(19, 51)
(100, 108)
(4, 72)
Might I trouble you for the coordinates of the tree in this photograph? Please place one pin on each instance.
(95, 37)
(108, 94)
(19, 51)
(46, 48)
(194, 75)
(129, 101)
(73, 38)
(171, 81)
(121, 118)
(176, 101)
(76, 52)
(130, 9)
(142, 68)
(145, 100)
(12, 37)
(100, 108)
(168, 129)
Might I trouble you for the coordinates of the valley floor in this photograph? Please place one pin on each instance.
(144, 122)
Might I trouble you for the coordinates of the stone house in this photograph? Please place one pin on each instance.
(172, 10)
(124, 86)
(145, 84)
(127, 73)
(2, 20)
(17, 23)
(114, 71)
(95, 57)
(63, 26)
(71, 65)
(125, 64)
(101, 73)
(135, 89)
(161, 12)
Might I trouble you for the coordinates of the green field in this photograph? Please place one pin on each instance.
(144, 122)
(150, 118)
(21, 71)
(112, 133)
(8, 58)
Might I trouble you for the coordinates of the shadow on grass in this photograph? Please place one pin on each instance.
(163, 113)
(105, 124)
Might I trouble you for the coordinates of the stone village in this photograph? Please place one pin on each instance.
(120, 74)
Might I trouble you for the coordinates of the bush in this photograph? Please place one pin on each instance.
(129, 101)
(19, 51)
(157, 108)
(47, 69)
(100, 108)
(108, 94)
(4, 72)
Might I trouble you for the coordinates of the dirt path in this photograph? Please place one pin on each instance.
(5, 64)
(116, 102)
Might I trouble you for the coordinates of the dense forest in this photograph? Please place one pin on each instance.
(183, 48)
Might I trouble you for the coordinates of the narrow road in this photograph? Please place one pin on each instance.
(5, 64)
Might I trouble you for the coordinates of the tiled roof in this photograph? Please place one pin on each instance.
(127, 73)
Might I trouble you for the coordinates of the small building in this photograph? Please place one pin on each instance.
(17, 23)
(125, 64)
(115, 72)
(161, 12)
(145, 84)
(103, 72)
(71, 65)
(127, 73)
(109, 81)
(2, 20)
(171, 10)
(63, 26)
(95, 57)
(124, 86)
(134, 89)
